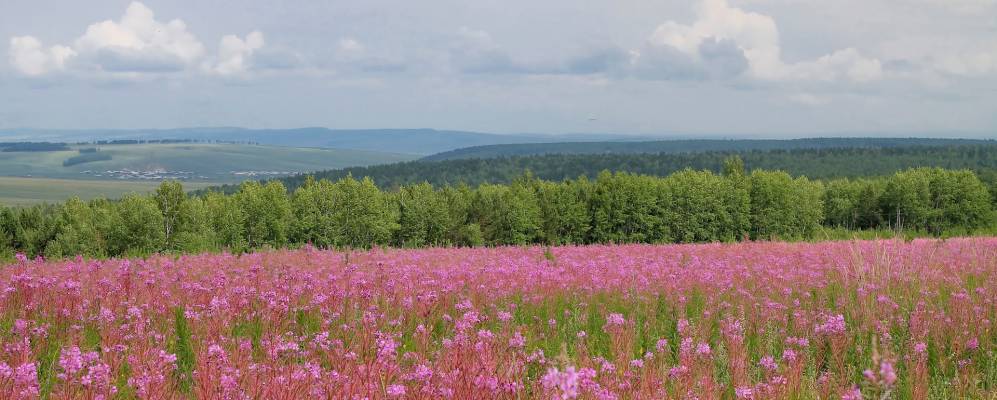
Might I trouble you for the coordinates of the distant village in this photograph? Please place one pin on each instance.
(160, 174)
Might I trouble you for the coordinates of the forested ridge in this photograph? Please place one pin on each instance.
(827, 163)
(686, 206)
(692, 146)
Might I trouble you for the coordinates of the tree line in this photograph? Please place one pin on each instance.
(827, 163)
(676, 146)
(686, 206)
(10, 147)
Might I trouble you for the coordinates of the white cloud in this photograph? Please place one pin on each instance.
(350, 45)
(137, 44)
(757, 35)
(28, 56)
(138, 35)
(234, 54)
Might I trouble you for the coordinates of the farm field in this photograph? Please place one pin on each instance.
(27, 191)
(204, 162)
(33, 177)
(755, 320)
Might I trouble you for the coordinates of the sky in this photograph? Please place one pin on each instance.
(767, 68)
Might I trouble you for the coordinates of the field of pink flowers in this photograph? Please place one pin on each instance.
(850, 320)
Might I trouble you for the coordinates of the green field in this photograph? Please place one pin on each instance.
(34, 177)
(26, 191)
(204, 162)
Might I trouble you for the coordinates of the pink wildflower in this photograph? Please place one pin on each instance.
(832, 325)
(396, 390)
(563, 384)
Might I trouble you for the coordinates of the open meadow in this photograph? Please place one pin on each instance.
(755, 320)
(32, 177)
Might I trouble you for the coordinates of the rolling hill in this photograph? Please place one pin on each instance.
(420, 142)
(688, 146)
(191, 161)
(90, 171)
(815, 163)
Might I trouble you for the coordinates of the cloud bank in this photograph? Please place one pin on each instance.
(136, 44)
(727, 41)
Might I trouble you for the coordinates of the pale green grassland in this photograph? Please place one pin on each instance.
(36, 177)
(214, 161)
(27, 191)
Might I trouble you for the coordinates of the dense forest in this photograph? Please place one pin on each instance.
(814, 163)
(692, 146)
(686, 206)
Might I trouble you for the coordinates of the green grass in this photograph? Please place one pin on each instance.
(213, 161)
(27, 191)
(184, 351)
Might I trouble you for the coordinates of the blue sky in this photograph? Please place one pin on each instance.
(765, 67)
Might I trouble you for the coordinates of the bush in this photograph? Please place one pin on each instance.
(783, 207)
(86, 158)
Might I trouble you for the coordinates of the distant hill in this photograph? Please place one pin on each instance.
(815, 163)
(688, 146)
(408, 141)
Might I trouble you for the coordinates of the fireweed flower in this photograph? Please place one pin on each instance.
(832, 325)
(216, 352)
(886, 376)
(23, 380)
(677, 371)
(661, 345)
(386, 347)
(615, 319)
(85, 369)
(887, 373)
(703, 349)
(564, 384)
(395, 390)
(683, 325)
(852, 394)
(422, 373)
(686, 346)
(798, 341)
(733, 330)
(768, 363)
(517, 340)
